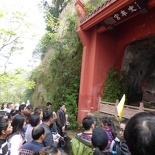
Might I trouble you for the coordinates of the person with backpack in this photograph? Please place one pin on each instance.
(123, 147)
(117, 147)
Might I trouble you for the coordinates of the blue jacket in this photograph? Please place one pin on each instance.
(33, 146)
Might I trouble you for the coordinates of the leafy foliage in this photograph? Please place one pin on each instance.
(123, 83)
(58, 76)
(65, 70)
(13, 28)
(14, 85)
(54, 8)
(116, 85)
(29, 92)
(91, 5)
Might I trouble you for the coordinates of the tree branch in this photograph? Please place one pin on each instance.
(9, 43)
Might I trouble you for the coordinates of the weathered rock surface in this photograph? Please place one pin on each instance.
(139, 65)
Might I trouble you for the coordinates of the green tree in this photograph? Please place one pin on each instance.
(13, 86)
(53, 8)
(58, 76)
(91, 5)
(14, 28)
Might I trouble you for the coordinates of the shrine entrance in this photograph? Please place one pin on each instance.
(118, 34)
(139, 65)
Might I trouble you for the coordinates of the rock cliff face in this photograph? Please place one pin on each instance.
(139, 65)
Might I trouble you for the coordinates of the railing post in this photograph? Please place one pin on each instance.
(99, 102)
(116, 114)
(141, 107)
(117, 101)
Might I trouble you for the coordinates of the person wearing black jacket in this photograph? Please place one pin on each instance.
(61, 119)
(47, 121)
(123, 146)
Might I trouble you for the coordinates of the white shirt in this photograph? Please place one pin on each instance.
(15, 144)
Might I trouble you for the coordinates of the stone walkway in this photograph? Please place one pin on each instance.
(71, 134)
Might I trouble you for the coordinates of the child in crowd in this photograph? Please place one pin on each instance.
(100, 142)
(109, 128)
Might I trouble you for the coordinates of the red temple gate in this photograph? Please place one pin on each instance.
(105, 33)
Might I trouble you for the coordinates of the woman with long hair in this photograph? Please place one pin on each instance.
(5, 129)
(15, 139)
(109, 128)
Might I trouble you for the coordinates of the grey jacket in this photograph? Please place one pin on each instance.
(48, 141)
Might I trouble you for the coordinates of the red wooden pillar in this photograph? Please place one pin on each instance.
(96, 62)
(87, 73)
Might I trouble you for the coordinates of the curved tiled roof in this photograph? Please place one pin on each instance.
(98, 9)
(113, 12)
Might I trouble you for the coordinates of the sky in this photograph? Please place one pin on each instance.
(23, 59)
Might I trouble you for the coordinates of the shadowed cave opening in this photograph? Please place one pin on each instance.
(139, 66)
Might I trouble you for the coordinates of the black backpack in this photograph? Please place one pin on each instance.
(116, 148)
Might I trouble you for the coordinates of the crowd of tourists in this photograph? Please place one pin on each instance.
(25, 130)
(136, 136)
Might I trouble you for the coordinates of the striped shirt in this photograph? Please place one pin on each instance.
(85, 136)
